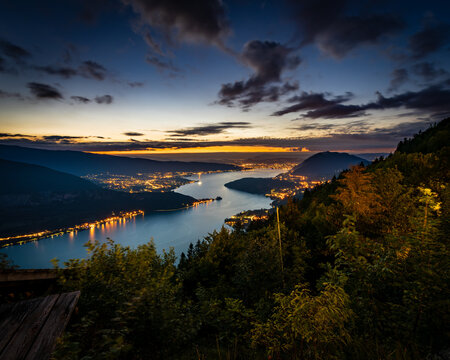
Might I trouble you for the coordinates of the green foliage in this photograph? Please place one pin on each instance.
(370, 250)
(304, 326)
(130, 304)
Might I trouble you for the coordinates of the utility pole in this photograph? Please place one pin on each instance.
(279, 241)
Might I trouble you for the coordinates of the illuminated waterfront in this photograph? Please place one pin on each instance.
(176, 228)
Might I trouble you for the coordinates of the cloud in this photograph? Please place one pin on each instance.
(135, 84)
(161, 64)
(81, 99)
(132, 133)
(432, 100)
(328, 24)
(10, 95)
(10, 135)
(21, 139)
(62, 137)
(428, 71)
(44, 91)
(398, 78)
(319, 106)
(65, 72)
(431, 38)
(268, 60)
(154, 46)
(193, 21)
(105, 99)
(93, 70)
(211, 129)
(14, 52)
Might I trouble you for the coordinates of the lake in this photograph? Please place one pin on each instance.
(175, 229)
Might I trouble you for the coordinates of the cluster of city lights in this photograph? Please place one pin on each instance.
(21, 239)
(156, 182)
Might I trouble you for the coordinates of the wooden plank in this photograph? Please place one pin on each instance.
(12, 320)
(53, 327)
(28, 274)
(5, 309)
(25, 335)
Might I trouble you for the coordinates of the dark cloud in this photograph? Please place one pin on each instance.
(328, 24)
(197, 21)
(432, 37)
(14, 52)
(319, 106)
(10, 135)
(268, 60)
(428, 71)
(398, 78)
(154, 46)
(93, 70)
(132, 133)
(27, 139)
(10, 95)
(209, 129)
(135, 84)
(433, 100)
(69, 52)
(105, 99)
(81, 99)
(88, 69)
(62, 137)
(352, 127)
(65, 72)
(44, 91)
(161, 64)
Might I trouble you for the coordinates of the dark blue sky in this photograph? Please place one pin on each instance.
(148, 74)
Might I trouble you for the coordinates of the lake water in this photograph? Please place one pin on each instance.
(175, 229)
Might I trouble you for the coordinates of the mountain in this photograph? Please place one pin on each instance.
(35, 198)
(21, 178)
(324, 165)
(80, 163)
(259, 185)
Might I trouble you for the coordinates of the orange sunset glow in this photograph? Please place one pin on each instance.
(206, 149)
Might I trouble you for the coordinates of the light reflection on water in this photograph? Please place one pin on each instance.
(168, 229)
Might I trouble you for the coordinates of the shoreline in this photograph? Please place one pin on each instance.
(23, 239)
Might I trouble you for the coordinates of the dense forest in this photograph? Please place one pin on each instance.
(362, 272)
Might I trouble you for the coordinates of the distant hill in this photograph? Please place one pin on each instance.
(259, 185)
(34, 198)
(324, 165)
(21, 178)
(80, 163)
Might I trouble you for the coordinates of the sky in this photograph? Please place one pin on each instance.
(170, 76)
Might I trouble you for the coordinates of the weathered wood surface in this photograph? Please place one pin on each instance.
(27, 275)
(29, 329)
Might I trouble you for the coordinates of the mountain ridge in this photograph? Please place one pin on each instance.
(80, 163)
(326, 164)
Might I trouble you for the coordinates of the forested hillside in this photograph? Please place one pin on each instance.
(35, 198)
(363, 272)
